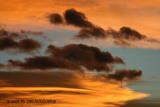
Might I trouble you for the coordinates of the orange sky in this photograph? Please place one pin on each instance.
(142, 15)
(94, 93)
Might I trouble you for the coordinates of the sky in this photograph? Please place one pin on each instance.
(86, 45)
(141, 15)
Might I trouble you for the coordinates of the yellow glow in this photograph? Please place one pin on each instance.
(94, 94)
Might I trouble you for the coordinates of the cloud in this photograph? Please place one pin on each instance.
(56, 18)
(24, 45)
(28, 45)
(7, 43)
(122, 74)
(126, 33)
(70, 57)
(83, 55)
(76, 18)
(125, 36)
(18, 40)
(93, 32)
(44, 62)
(89, 30)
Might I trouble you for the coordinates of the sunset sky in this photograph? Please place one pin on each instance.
(142, 15)
(105, 52)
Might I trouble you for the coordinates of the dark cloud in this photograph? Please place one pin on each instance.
(82, 52)
(25, 45)
(125, 33)
(120, 75)
(71, 57)
(83, 55)
(28, 45)
(7, 43)
(18, 40)
(76, 18)
(56, 18)
(89, 30)
(44, 62)
(128, 33)
(93, 32)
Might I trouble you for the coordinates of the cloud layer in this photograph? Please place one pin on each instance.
(73, 57)
(88, 30)
(17, 40)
